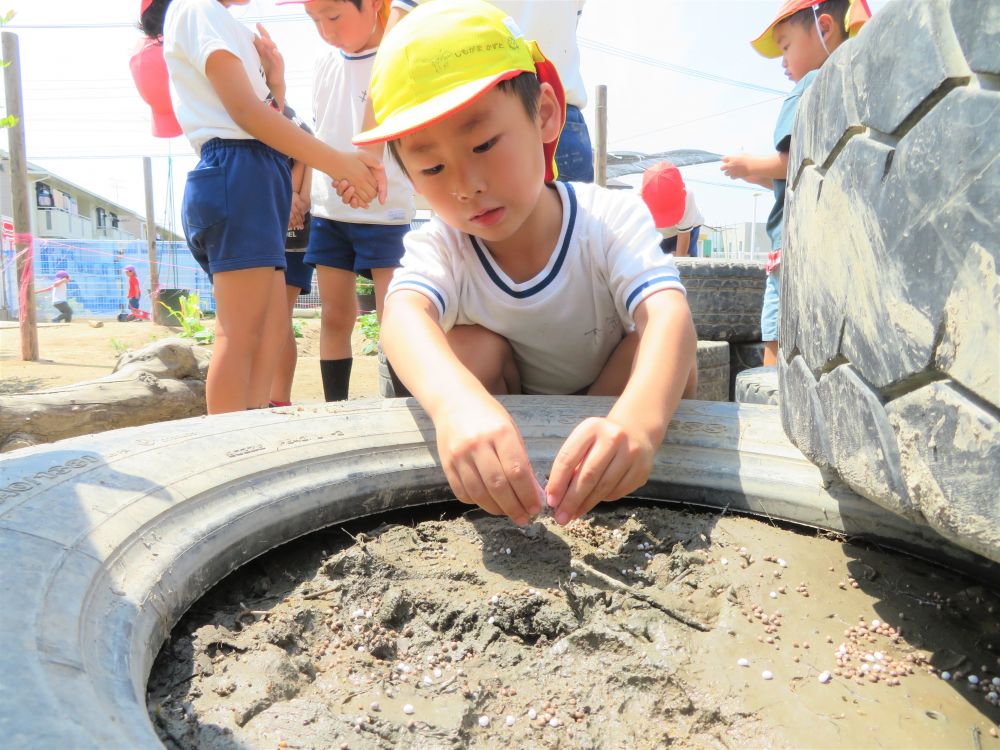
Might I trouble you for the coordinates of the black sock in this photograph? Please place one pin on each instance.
(336, 374)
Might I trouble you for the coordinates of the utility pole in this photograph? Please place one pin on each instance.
(20, 206)
(601, 150)
(154, 269)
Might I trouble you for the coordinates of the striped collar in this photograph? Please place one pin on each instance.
(568, 197)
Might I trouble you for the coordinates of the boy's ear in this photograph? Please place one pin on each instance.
(829, 29)
(550, 114)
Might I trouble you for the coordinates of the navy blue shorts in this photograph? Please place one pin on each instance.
(236, 206)
(297, 272)
(355, 247)
(574, 154)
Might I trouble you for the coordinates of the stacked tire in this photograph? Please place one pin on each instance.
(890, 319)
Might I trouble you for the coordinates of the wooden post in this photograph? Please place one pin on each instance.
(20, 200)
(154, 268)
(601, 150)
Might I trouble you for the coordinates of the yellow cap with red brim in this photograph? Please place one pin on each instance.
(441, 58)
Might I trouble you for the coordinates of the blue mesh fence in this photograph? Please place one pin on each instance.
(98, 286)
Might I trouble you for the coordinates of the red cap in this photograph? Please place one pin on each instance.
(143, 5)
(149, 71)
(664, 192)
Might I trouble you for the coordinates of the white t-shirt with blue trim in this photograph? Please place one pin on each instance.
(564, 323)
(192, 31)
(340, 96)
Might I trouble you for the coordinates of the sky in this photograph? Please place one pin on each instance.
(679, 73)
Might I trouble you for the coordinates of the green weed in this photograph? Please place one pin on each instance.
(190, 318)
(370, 330)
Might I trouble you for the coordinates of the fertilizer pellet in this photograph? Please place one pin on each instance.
(532, 714)
(510, 720)
(408, 709)
(484, 721)
(767, 674)
(743, 662)
(824, 677)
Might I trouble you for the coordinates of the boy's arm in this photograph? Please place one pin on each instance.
(605, 459)
(226, 73)
(756, 168)
(481, 450)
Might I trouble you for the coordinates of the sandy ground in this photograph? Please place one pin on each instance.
(73, 352)
(627, 629)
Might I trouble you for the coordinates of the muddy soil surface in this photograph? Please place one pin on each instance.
(640, 626)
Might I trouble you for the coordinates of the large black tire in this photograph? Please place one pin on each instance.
(890, 322)
(743, 357)
(108, 539)
(725, 297)
(757, 385)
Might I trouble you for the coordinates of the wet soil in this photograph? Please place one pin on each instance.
(627, 629)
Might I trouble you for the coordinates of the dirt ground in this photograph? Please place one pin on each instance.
(640, 626)
(73, 352)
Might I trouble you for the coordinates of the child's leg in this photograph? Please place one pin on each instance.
(242, 302)
(488, 356)
(339, 314)
(277, 325)
(616, 373)
(769, 317)
(281, 383)
(65, 312)
(381, 277)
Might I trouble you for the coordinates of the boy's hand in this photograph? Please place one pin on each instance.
(271, 61)
(364, 173)
(600, 460)
(485, 460)
(297, 217)
(736, 167)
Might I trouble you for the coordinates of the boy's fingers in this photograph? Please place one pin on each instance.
(591, 477)
(516, 466)
(497, 486)
(618, 480)
(570, 455)
(474, 492)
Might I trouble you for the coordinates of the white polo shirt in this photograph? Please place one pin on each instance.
(564, 323)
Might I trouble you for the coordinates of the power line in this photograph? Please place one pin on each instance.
(698, 119)
(654, 62)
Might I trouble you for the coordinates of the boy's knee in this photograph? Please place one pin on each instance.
(487, 355)
(339, 315)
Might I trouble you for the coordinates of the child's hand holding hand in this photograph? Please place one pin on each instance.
(602, 459)
(485, 459)
(364, 176)
(736, 167)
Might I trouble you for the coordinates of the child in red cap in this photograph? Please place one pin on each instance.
(673, 207)
(804, 34)
(134, 292)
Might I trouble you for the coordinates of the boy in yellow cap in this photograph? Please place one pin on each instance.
(804, 34)
(520, 284)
